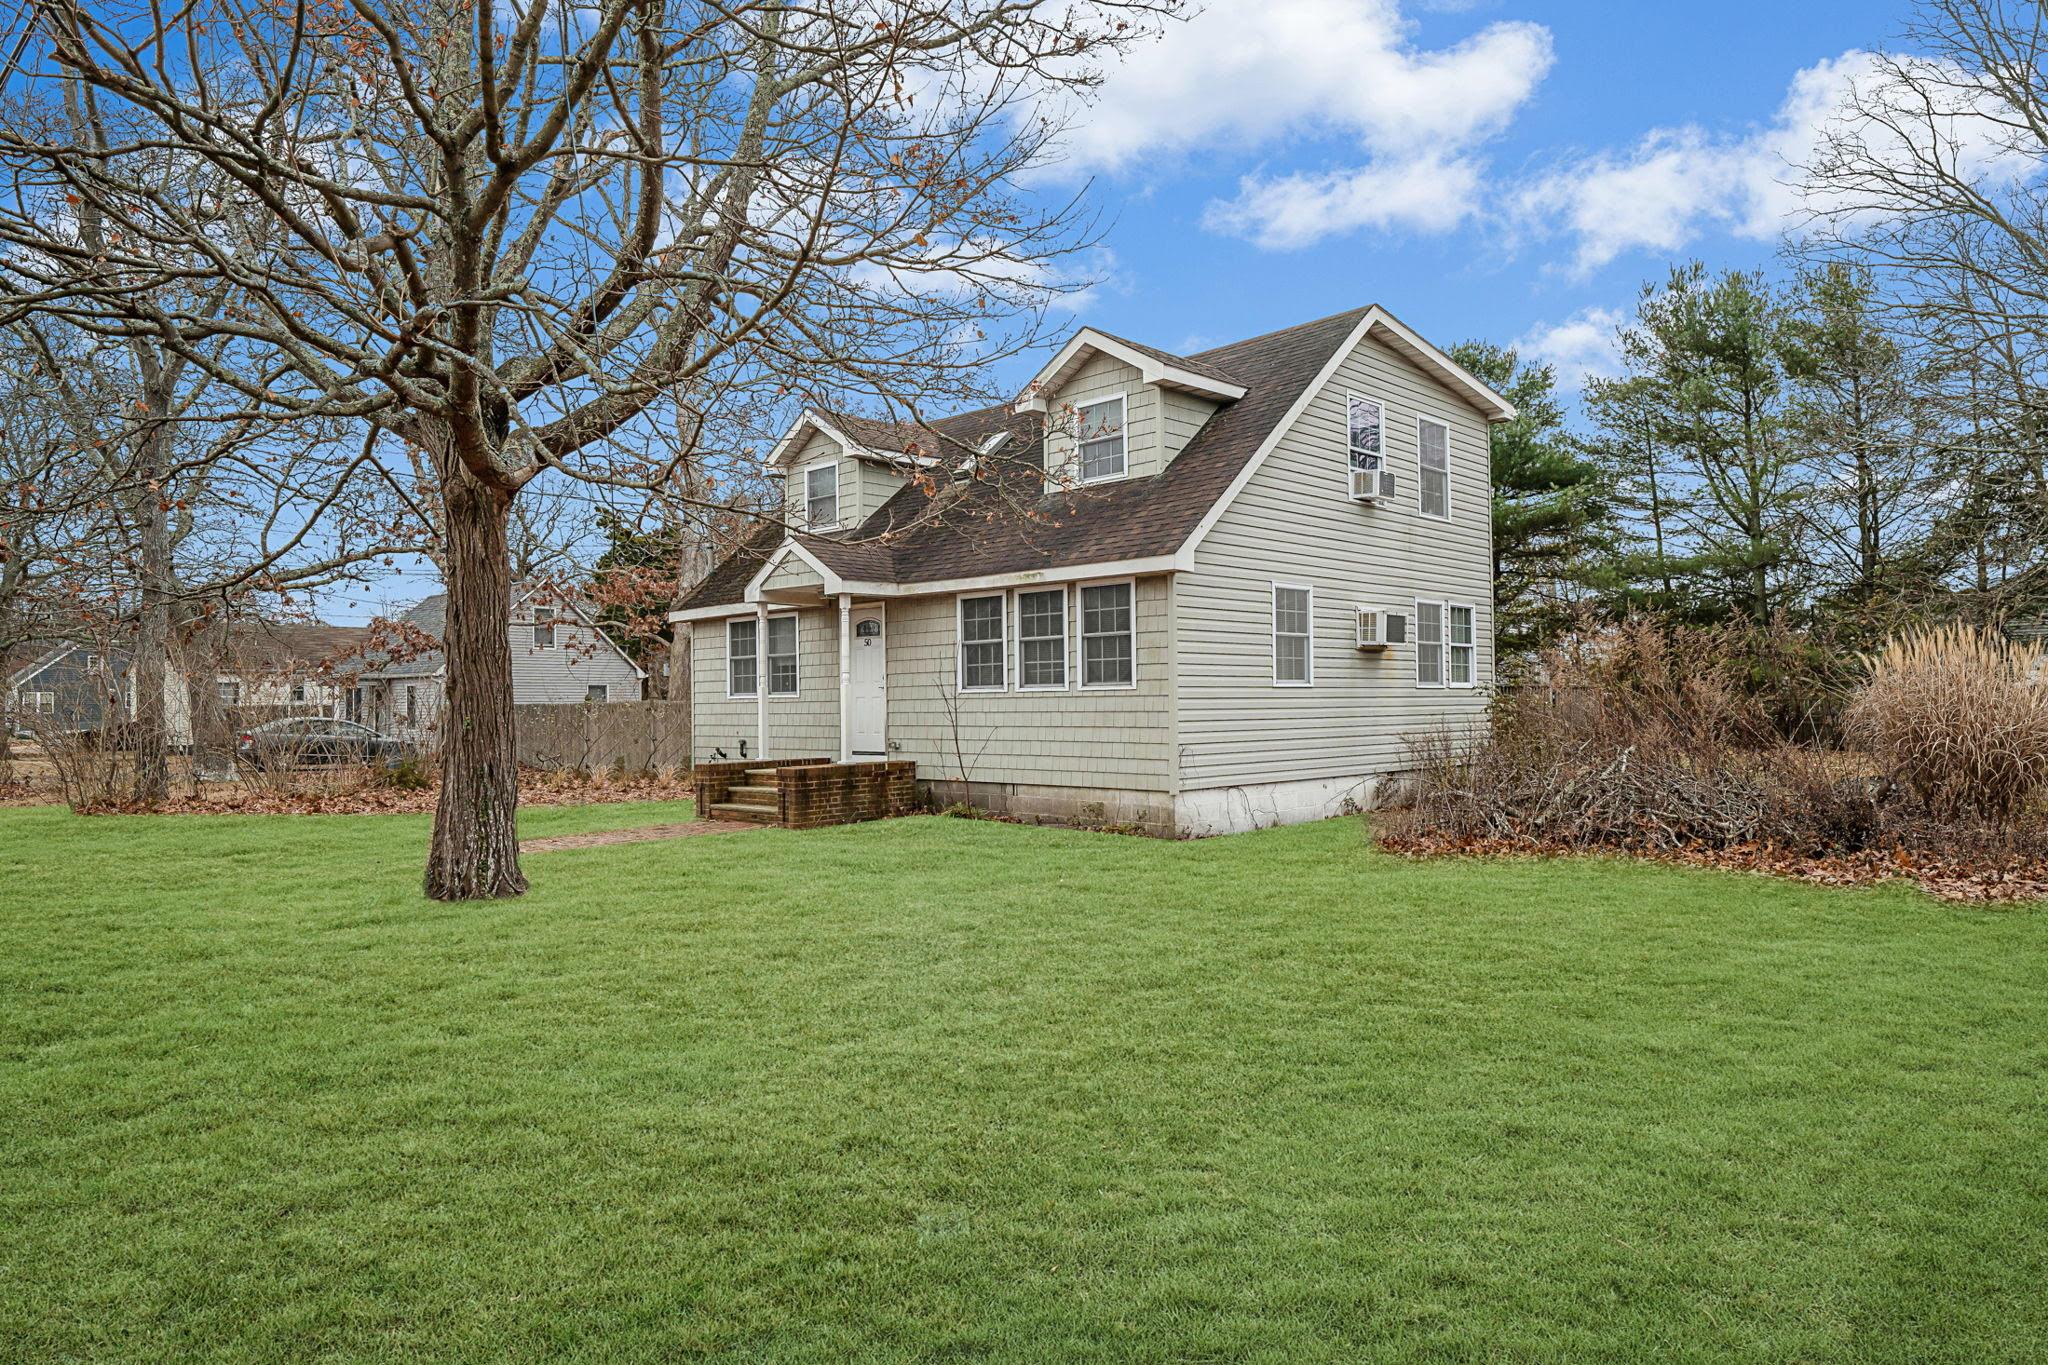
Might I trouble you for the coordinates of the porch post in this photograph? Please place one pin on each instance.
(761, 679)
(845, 676)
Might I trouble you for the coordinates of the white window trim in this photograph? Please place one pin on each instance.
(838, 494)
(1081, 654)
(553, 626)
(960, 641)
(40, 703)
(1123, 433)
(797, 654)
(1273, 601)
(1350, 395)
(604, 688)
(1443, 642)
(1425, 420)
(1450, 644)
(1067, 600)
(760, 653)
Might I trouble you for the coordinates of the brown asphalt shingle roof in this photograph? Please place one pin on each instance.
(1005, 524)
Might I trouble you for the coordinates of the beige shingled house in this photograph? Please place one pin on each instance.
(1196, 593)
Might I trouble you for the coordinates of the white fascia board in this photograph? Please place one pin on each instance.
(1151, 370)
(1456, 376)
(938, 587)
(806, 421)
(768, 566)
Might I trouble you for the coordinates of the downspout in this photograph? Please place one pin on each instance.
(845, 677)
(761, 680)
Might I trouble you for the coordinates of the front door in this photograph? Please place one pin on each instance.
(868, 700)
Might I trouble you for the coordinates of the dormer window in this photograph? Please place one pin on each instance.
(1100, 429)
(821, 496)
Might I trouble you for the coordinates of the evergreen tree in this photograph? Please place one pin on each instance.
(1549, 500)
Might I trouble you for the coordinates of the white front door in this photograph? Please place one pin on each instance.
(868, 699)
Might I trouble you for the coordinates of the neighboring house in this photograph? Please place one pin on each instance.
(559, 655)
(1214, 592)
(67, 686)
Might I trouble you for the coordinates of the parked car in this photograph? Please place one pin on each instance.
(317, 741)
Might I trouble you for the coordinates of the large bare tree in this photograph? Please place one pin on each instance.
(528, 240)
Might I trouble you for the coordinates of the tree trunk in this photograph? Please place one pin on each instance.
(152, 779)
(475, 851)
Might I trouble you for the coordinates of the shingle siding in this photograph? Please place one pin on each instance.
(1293, 522)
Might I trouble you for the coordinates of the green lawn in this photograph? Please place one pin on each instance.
(941, 1089)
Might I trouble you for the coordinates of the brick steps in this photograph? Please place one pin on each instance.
(804, 793)
(753, 813)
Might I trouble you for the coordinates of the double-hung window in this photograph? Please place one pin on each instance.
(1463, 649)
(230, 691)
(821, 496)
(1109, 655)
(782, 656)
(1042, 639)
(1293, 635)
(1100, 430)
(1366, 432)
(742, 669)
(543, 627)
(1433, 486)
(981, 644)
(1429, 644)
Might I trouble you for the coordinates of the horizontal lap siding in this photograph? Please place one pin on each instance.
(580, 658)
(1182, 415)
(801, 726)
(794, 573)
(1293, 522)
(1078, 737)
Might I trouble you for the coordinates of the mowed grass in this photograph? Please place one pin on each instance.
(935, 1089)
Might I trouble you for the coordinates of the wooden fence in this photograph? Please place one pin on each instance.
(632, 736)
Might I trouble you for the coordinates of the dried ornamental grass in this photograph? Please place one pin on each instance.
(1959, 717)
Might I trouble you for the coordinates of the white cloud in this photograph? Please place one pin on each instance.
(1245, 75)
(1580, 348)
(1677, 183)
(1426, 194)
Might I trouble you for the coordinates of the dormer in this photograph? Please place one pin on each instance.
(832, 481)
(1118, 410)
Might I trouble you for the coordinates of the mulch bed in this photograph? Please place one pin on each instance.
(1957, 881)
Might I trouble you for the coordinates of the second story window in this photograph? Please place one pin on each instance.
(821, 496)
(543, 627)
(1100, 429)
(1366, 424)
(1433, 487)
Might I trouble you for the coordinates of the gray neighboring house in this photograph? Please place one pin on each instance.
(1196, 593)
(559, 656)
(68, 686)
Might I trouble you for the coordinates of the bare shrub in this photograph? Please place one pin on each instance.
(1639, 739)
(92, 769)
(1959, 717)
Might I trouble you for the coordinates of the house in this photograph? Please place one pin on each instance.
(1208, 592)
(249, 665)
(559, 655)
(67, 686)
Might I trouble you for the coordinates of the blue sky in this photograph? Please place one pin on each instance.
(1506, 169)
(1531, 164)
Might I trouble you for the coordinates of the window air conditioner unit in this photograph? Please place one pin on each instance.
(1378, 629)
(1372, 485)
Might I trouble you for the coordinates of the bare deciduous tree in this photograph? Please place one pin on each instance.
(508, 237)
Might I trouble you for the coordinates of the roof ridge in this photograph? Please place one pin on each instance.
(1355, 312)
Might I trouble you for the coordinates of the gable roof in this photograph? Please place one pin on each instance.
(430, 617)
(982, 530)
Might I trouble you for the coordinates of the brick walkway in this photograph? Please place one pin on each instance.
(634, 836)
